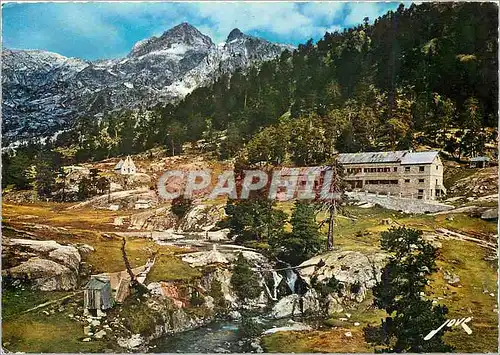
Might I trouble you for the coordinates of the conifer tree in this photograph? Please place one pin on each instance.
(304, 241)
(410, 317)
(244, 280)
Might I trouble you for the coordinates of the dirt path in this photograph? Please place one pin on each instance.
(459, 236)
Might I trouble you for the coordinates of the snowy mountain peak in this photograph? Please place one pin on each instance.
(235, 34)
(183, 28)
(45, 92)
(181, 35)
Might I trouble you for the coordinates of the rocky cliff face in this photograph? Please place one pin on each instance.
(43, 92)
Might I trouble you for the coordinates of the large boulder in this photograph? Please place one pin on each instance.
(49, 249)
(46, 264)
(45, 275)
(201, 218)
(286, 307)
(134, 342)
(356, 272)
(294, 304)
(68, 256)
(490, 214)
(160, 219)
(204, 258)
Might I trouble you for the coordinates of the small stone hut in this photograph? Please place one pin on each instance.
(97, 295)
(479, 162)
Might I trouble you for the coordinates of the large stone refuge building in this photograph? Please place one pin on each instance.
(400, 173)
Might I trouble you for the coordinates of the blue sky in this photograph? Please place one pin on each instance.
(109, 30)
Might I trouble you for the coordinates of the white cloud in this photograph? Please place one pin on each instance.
(291, 20)
(358, 11)
(328, 11)
(107, 29)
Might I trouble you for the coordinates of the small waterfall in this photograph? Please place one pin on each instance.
(277, 279)
(271, 296)
(291, 278)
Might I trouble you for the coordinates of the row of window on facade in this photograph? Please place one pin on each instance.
(383, 170)
(390, 182)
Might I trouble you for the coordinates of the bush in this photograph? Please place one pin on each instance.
(218, 295)
(304, 241)
(324, 289)
(196, 299)
(244, 281)
(180, 206)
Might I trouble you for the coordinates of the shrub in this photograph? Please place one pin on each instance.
(244, 281)
(180, 206)
(218, 295)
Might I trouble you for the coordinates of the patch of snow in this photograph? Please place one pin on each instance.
(141, 43)
(129, 85)
(179, 88)
(175, 50)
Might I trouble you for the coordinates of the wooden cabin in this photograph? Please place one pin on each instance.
(97, 295)
(479, 162)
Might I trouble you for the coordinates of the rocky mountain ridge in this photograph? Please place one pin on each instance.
(44, 92)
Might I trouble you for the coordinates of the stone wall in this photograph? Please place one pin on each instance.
(400, 203)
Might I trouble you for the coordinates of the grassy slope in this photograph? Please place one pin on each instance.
(476, 275)
(463, 258)
(360, 230)
(37, 332)
(47, 334)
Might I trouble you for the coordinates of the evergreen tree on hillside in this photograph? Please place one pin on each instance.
(62, 183)
(254, 219)
(14, 167)
(244, 280)
(180, 206)
(304, 241)
(410, 316)
(423, 68)
(45, 180)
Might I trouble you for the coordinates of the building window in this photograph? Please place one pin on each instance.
(382, 182)
(437, 167)
(421, 168)
(436, 181)
(420, 180)
(407, 181)
(407, 169)
(395, 169)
